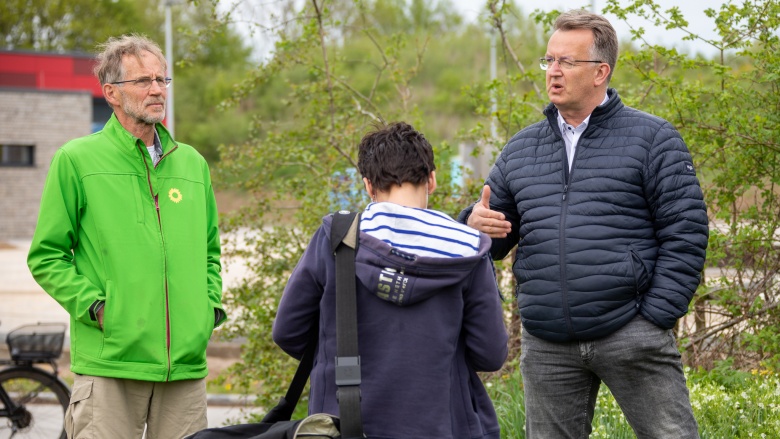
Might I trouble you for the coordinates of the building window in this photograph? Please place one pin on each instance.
(17, 155)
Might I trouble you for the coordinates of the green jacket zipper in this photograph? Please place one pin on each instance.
(165, 258)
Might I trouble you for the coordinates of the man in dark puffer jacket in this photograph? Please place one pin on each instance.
(611, 227)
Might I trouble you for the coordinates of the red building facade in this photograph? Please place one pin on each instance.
(47, 71)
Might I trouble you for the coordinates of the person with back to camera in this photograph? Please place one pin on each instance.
(611, 229)
(127, 242)
(418, 356)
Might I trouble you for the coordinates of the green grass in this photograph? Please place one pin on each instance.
(726, 405)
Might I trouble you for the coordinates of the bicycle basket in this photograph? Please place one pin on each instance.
(40, 342)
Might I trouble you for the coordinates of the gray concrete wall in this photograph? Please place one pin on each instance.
(46, 120)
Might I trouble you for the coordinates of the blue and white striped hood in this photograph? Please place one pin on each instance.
(423, 232)
(408, 255)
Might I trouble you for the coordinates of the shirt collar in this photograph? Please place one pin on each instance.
(157, 144)
(581, 127)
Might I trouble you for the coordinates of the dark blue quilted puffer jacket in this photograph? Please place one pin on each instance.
(624, 233)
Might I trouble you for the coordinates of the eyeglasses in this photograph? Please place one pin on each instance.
(146, 82)
(563, 62)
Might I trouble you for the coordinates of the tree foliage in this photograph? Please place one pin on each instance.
(72, 25)
(210, 58)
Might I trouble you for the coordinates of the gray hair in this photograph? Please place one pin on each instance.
(109, 60)
(605, 42)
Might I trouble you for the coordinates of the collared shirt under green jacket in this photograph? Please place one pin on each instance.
(113, 227)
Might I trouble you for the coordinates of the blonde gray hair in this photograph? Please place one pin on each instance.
(605, 42)
(109, 68)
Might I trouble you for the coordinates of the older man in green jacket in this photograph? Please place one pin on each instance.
(127, 242)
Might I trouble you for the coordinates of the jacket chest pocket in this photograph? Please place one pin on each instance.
(117, 203)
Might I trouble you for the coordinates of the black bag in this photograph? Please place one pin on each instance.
(317, 426)
(277, 424)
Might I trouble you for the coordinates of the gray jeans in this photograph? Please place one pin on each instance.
(641, 366)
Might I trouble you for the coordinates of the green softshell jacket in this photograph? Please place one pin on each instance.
(143, 240)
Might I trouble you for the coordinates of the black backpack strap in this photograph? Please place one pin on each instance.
(344, 240)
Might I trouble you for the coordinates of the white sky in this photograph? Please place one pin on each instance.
(692, 10)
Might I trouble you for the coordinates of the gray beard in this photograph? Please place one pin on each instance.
(147, 119)
(151, 120)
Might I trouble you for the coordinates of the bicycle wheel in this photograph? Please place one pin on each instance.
(44, 398)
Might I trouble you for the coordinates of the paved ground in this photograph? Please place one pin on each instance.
(22, 302)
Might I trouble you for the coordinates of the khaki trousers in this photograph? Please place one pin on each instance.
(115, 408)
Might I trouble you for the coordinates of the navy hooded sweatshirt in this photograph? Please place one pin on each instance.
(419, 350)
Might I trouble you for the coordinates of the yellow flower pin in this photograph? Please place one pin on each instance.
(174, 194)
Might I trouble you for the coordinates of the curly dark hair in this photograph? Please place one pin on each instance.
(393, 155)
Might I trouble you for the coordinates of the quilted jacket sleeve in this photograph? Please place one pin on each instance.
(677, 206)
